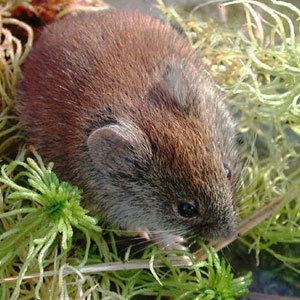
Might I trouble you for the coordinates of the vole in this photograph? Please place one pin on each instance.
(123, 106)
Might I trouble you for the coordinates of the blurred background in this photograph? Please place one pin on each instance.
(148, 6)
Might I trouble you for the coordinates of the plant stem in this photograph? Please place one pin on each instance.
(106, 267)
(246, 225)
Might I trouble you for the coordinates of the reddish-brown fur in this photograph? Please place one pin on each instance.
(97, 69)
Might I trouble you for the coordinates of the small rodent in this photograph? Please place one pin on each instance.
(123, 106)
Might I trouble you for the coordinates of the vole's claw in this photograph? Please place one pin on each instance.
(181, 247)
(168, 241)
(163, 240)
(144, 233)
(178, 239)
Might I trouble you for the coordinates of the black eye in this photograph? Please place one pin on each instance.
(187, 210)
(227, 171)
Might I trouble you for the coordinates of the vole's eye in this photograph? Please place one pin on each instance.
(227, 171)
(187, 210)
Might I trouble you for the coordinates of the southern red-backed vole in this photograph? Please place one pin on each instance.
(125, 109)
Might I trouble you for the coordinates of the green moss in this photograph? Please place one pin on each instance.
(38, 214)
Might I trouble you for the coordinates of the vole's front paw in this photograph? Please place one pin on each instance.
(166, 240)
(163, 239)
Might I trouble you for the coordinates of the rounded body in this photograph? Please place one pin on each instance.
(124, 108)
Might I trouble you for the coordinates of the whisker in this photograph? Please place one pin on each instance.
(145, 244)
(137, 241)
(141, 250)
(135, 231)
(158, 241)
(124, 240)
(226, 259)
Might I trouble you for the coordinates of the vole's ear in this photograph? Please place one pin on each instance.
(113, 146)
(172, 85)
(175, 81)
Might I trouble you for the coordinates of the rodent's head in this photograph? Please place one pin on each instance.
(169, 167)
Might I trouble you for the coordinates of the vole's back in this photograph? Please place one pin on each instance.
(84, 65)
(109, 69)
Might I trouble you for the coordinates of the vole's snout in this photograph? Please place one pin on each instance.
(213, 216)
(229, 231)
(218, 224)
(215, 232)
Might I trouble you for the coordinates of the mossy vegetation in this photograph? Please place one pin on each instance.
(44, 232)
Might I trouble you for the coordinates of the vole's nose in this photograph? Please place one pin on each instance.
(229, 228)
(222, 225)
(219, 233)
(231, 232)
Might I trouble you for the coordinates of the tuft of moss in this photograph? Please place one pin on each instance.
(37, 215)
